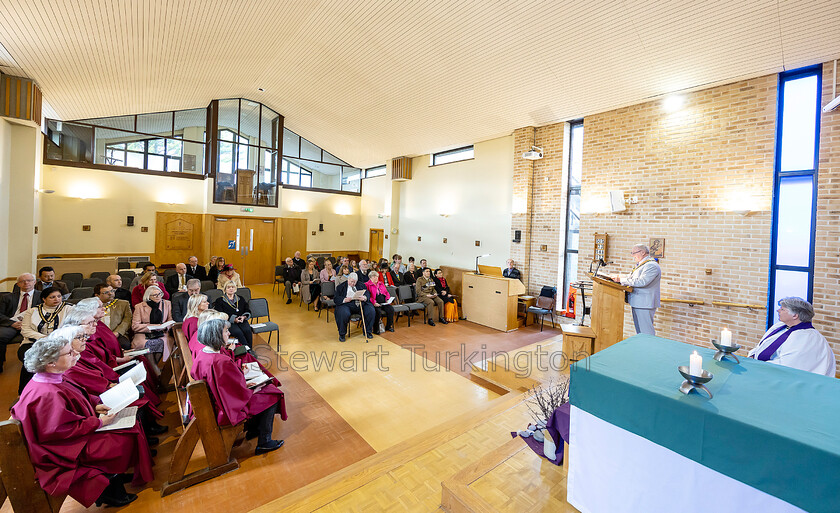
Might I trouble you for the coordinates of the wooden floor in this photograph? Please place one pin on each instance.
(341, 413)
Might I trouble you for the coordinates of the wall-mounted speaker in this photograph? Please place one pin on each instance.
(129, 221)
(517, 236)
(321, 227)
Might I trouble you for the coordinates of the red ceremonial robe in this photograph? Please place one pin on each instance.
(190, 327)
(69, 456)
(232, 399)
(106, 347)
(88, 374)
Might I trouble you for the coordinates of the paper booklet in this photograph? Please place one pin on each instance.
(137, 375)
(257, 381)
(124, 420)
(390, 300)
(136, 352)
(125, 365)
(359, 294)
(258, 325)
(252, 370)
(118, 397)
(161, 327)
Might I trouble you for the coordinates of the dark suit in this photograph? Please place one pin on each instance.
(8, 309)
(198, 272)
(172, 283)
(363, 276)
(121, 293)
(60, 285)
(343, 311)
(299, 262)
(179, 306)
(512, 274)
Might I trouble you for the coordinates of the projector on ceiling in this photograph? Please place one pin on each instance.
(535, 153)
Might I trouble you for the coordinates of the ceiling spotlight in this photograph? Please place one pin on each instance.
(673, 103)
(535, 153)
(261, 89)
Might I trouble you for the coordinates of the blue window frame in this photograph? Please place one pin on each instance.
(795, 187)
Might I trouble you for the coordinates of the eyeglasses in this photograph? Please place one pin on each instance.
(71, 351)
(155, 295)
(637, 251)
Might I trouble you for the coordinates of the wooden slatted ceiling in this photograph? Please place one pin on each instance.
(372, 79)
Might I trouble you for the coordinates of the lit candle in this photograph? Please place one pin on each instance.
(695, 364)
(726, 337)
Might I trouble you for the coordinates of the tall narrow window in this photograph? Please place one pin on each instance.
(573, 207)
(795, 187)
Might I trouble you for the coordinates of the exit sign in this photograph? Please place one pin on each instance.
(246, 209)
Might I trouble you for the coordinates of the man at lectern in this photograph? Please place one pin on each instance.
(511, 271)
(644, 278)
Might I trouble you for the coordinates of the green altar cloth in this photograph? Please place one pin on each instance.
(774, 428)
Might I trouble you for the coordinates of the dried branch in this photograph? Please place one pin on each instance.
(544, 400)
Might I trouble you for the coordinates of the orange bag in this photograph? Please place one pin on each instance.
(450, 311)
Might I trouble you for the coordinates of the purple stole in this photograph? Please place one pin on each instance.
(770, 350)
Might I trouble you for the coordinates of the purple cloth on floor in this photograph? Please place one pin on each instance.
(558, 428)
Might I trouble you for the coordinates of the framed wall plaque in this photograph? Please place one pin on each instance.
(601, 246)
(657, 247)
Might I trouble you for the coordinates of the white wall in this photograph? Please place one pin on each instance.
(376, 201)
(476, 195)
(5, 179)
(338, 213)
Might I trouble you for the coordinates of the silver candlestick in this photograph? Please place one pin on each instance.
(694, 382)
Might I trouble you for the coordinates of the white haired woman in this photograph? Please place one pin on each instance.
(233, 400)
(59, 421)
(154, 310)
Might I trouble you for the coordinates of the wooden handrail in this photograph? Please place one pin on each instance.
(690, 302)
(738, 305)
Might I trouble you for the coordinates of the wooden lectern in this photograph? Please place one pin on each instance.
(607, 311)
(491, 300)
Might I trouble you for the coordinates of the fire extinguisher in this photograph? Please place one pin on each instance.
(570, 309)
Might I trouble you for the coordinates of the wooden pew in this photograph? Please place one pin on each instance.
(218, 441)
(17, 475)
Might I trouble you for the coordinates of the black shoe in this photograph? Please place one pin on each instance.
(391, 329)
(443, 321)
(370, 335)
(431, 322)
(272, 445)
(115, 495)
(341, 338)
(289, 302)
(155, 429)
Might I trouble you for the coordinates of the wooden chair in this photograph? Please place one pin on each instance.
(17, 475)
(545, 305)
(217, 441)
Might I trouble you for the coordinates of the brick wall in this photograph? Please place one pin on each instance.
(692, 171)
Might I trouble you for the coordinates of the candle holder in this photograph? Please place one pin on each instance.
(694, 382)
(724, 351)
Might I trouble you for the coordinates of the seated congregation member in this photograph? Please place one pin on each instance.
(442, 288)
(180, 300)
(343, 273)
(150, 279)
(511, 271)
(345, 306)
(364, 270)
(423, 265)
(59, 421)
(233, 400)
(410, 276)
(196, 304)
(397, 265)
(794, 342)
(46, 279)
(115, 282)
(178, 281)
(298, 261)
(328, 272)
(311, 278)
(426, 294)
(95, 377)
(291, 277)
(152, 311)
(228, 275)
(236, 308)
(389, 276)
(40, 321)
(379, 296)
(117, 316)
(216, 270)
(12, 309)
(196, 271)
(148, 267)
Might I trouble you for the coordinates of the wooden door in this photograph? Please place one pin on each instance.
(259, 261)
(292, 237)
(375, 245)
(223, 230)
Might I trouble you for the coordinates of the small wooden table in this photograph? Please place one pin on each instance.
(525, 302)
(578, 341)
